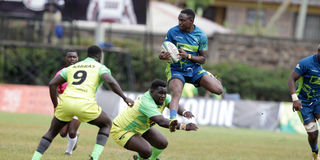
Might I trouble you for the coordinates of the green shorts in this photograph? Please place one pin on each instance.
(120, 135)
(86, 110)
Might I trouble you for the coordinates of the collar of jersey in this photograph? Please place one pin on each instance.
(90, 59)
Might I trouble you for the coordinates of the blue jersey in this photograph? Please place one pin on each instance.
(309, 85)
(192, 43)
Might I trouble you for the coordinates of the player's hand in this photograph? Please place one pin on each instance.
(129, 101)
(164, 55)
(297, 106)
(187, 114)
(183, 54)
(191, 127)
(173, 125)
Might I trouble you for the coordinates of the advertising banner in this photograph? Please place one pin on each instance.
(256, 115)
(242, 114)
(209, 112)
(290, 121)
(112, 11)
(25, 99)
(206, 111)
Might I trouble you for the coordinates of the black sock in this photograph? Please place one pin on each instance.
(43, 145)
(102, 139)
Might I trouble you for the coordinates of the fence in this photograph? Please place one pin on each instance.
(36, 64)
(31, 29)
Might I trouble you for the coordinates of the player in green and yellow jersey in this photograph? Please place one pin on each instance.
(133, 129)
(78, 99)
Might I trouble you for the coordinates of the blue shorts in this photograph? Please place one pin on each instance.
(308, 111)
(189, 75)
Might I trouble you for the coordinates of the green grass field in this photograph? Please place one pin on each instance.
(20, 135)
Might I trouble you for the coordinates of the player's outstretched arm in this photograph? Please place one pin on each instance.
(115, 87)
(164, 122)
(53, 84)
(297, 106)
(185, 113)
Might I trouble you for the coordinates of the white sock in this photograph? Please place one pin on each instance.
(71, 143)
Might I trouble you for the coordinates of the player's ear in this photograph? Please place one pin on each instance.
(191, 19)
(151, 91)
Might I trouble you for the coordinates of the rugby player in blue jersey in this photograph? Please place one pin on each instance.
(192, 44)
(306, 99)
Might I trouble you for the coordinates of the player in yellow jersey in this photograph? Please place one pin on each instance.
(78, 99)
(132, 128)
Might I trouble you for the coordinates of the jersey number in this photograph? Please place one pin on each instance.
(81, 75)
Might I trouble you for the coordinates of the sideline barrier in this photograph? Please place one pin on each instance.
(290, 121)
(25, 99)
(242, 114)
(226, 113)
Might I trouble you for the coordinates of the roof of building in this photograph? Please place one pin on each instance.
(164, 15)
(161, 17)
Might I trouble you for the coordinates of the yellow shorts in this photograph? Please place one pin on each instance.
(120, 135)
(85, 110)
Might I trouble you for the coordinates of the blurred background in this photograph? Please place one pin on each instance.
(253, 48)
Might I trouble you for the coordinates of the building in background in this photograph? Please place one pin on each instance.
(241, 16)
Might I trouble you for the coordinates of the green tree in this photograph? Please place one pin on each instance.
(198, 5)
(254, 83)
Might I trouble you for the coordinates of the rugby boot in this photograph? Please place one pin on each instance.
(135, 157)
(315, 156)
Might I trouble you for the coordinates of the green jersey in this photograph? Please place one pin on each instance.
(137, 117)
(84, 78)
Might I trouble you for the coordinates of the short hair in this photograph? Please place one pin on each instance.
(69, 50)
(189, 12)
(94, 51)
(157, 83)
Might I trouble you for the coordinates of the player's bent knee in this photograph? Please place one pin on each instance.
(146, 153)
(311, 127)
(102, 121)
(105, 127)
(162, 145)
(219, 90)
(219, 87)
(72, 134)
(63, 134)
(108, 124)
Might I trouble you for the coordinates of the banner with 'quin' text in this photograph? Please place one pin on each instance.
(209, 112)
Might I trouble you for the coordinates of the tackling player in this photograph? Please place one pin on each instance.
(133, 128)
(306, 99)
(192, 44)
(78, 100)
(69, 130)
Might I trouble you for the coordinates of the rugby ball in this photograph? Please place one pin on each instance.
(172, 49)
